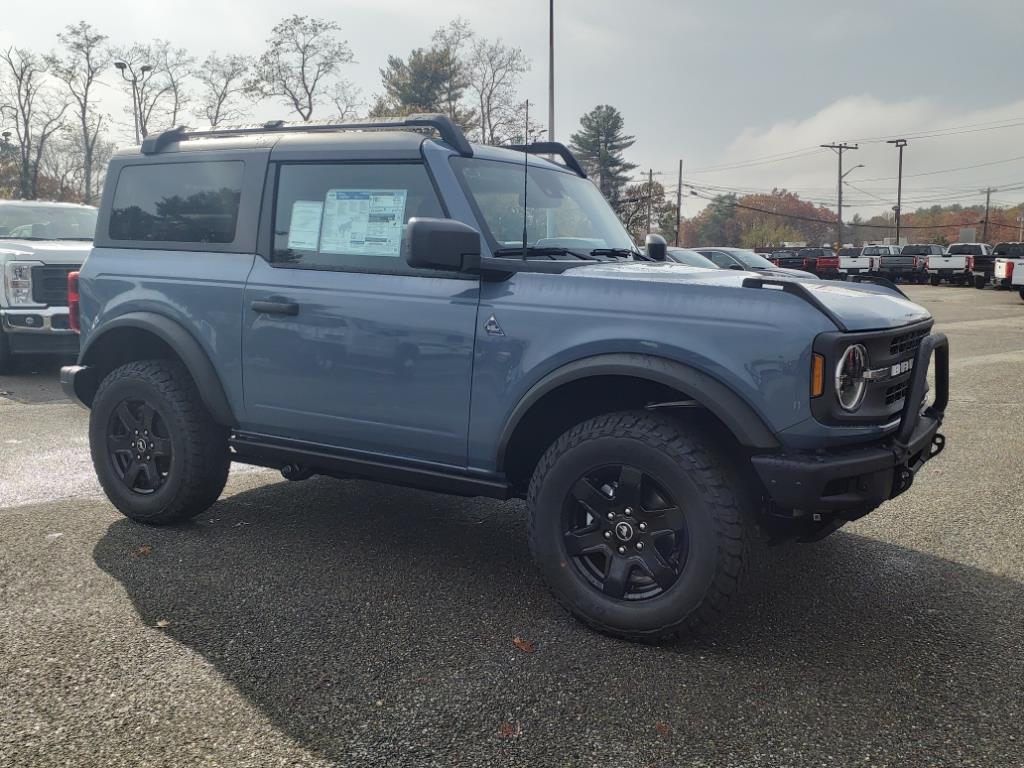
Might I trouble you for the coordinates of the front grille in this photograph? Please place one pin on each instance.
(896, 393)
(907, 342)
(50, 285)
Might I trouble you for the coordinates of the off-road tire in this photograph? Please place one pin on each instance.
(979, 282)
(6, 358)
(200, 460)
(719, 525)
(1021, 292)
(935, 280)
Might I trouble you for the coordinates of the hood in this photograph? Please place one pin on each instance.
(861, 306)
(47, 251)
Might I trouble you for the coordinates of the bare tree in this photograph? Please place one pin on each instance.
(494, 71)
(302, 54)
(173, 68)
(222, 81)
(449, 43)
(37, 113)
(347, 99)
(79, 70)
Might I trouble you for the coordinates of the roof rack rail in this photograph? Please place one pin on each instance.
(551, 148)
(877, 280)
(445, 127)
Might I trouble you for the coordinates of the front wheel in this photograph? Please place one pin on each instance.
(1021, 292)
(935, 280)
(979, 282)
(635, 527)
(6, 358)
(158, 453)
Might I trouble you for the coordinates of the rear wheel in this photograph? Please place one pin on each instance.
(635, 527)
(979, 282)
(157, 452)
(935, 280)
(1021, 292)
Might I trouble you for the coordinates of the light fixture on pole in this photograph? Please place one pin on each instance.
(129, 76)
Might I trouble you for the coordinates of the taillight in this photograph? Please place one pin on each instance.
(1009, 270)
(970, 262)
(73, 302)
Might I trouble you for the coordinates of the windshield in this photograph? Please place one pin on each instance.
(849, 251)
(752, 260)
(916, 250)
(46, 222)
(690, 258)
(562, 210)
(965, 249)
(876, 251)
(1009, 249)
(783, 254)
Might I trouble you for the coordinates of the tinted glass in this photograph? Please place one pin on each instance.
(46, 222)
(691, 258)
(720, 259)
(177, 202)
(916, 250)
(874, 250)
(561, 209)
(965, 249)
(752, 260)
(349, 217)
(1010, 249)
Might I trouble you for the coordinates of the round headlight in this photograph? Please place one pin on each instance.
(850, 383)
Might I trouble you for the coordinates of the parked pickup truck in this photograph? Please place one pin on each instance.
(853, 261)
(803, 259)
(910, 265)
(658, 419)
(957, 264)
(828, 266)
(1008, 259)
(40, 243)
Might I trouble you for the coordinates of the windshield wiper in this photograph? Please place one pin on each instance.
(624, 252)
(534, 251)
(20, 237)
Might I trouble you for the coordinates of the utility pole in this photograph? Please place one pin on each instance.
(988, 199)
(679, 204)
(650, 197)
(839, 149)
(551, 70)
(1020, 228)
(900, 144)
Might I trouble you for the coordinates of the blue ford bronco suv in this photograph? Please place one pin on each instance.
(370, 301)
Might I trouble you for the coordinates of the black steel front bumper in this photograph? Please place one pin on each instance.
(856, 480)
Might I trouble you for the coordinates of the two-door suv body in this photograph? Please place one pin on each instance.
(360, 303)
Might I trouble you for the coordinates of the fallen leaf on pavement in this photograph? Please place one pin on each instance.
(509, 730)
(161, 623)
(662, 729)
(524, 645)
(143, 550)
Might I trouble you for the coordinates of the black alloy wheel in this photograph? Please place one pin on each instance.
(139, 446)
(624, 533)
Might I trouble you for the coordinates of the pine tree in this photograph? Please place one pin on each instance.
(599, 146)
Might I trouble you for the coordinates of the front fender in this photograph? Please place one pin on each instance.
(740, 418)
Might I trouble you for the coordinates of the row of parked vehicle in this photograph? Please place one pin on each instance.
(977, 264)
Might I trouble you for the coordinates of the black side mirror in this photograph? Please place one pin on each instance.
(735, 266)
(657, 248)
(442, 244)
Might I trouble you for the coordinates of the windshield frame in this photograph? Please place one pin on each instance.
(458, 162)
(45, 213)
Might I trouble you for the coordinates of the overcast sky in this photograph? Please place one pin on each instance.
(716, 83)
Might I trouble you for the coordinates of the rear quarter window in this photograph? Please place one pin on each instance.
(194, 202)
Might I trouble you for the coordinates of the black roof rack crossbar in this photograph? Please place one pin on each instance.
(445, 127)
(552, 148)
(801, 291)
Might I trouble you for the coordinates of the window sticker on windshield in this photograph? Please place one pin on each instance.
(363, 222)
(304, 229)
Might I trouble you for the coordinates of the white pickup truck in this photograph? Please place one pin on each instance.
(40, 243)
(861, 261)
(957, 264)
(1008, 271)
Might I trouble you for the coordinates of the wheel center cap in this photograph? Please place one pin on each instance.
(624, 531)
(140, 445)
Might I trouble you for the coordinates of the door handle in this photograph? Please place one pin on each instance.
(275, 307)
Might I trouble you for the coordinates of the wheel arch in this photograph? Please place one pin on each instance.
(146, 335)
(646, 376)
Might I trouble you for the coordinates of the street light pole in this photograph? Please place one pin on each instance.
(551, 70)
(839, 149)
(129, 76)
(899, 144)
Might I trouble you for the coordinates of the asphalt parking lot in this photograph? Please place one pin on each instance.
(343, 623)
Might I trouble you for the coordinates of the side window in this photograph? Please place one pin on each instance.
(193, 202)
(345, 216)
(721, 259)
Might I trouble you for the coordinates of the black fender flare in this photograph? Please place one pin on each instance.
(739, 417)
(184, 345)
